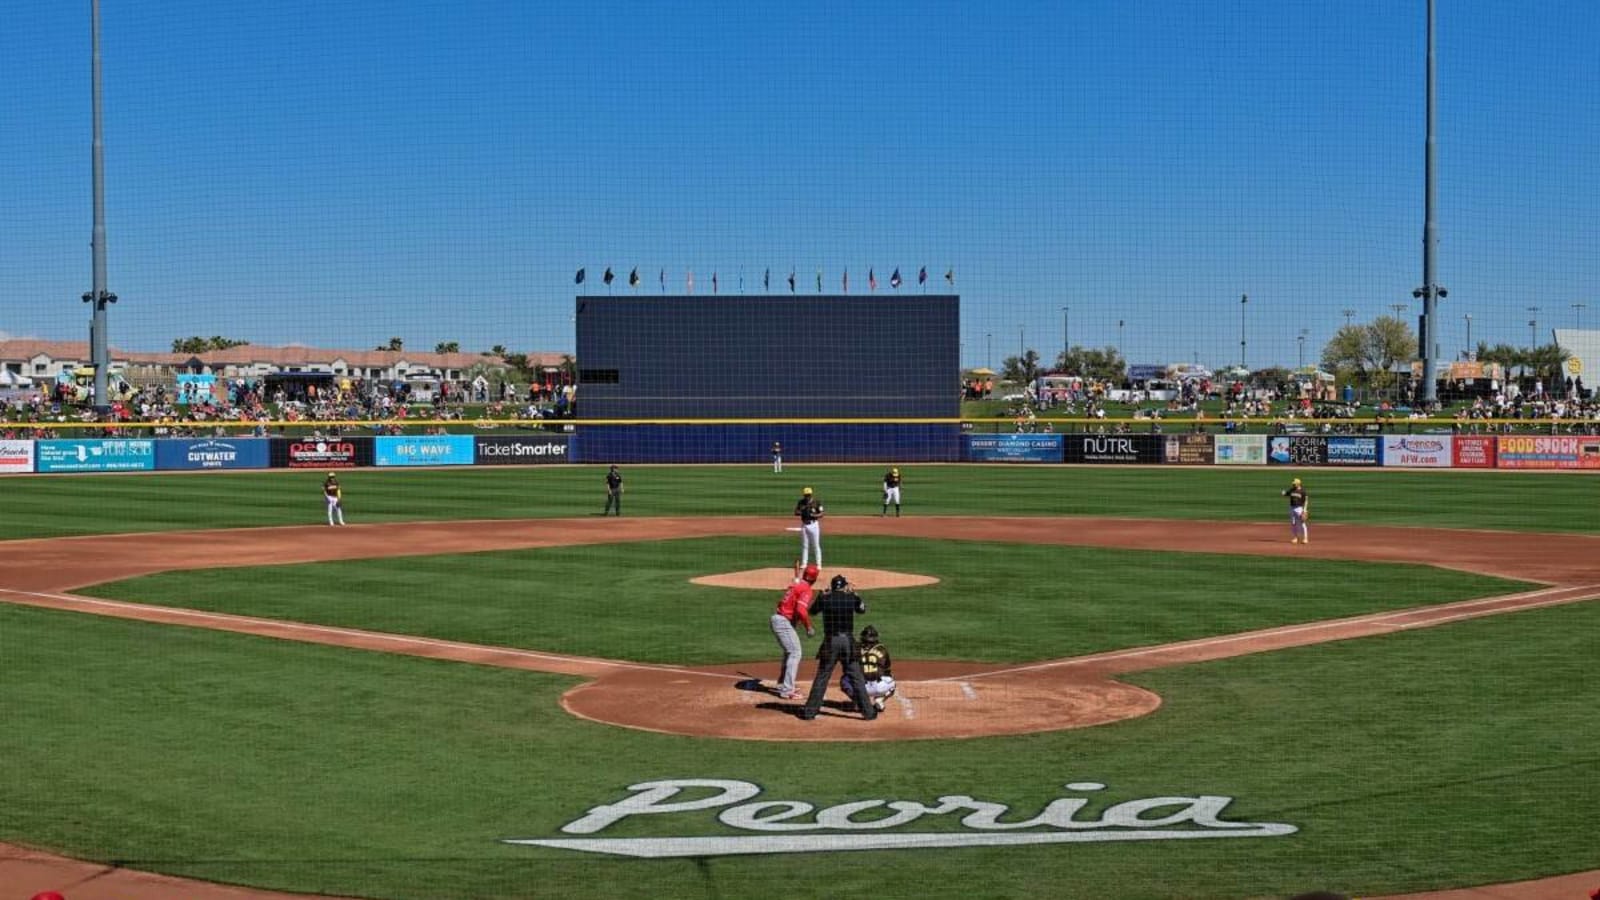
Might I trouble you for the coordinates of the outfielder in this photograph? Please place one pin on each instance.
(891, 492)
(334, 496)
(777, 457)
(794, 607)
(1299, 513)
(810, 511)
(875, 668)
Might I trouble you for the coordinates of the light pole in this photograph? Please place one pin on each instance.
(1579, 308)
(1119, 340)
(99, 349)
(1302, 341)
(1347, 313)
(1533, 328)
(988, 351)
(1066, 341)
(1399, 308)
(1471, 354)
(1022, 342)
(1244, 300)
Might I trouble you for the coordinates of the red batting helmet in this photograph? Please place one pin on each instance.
(811, 573)
(48, 895)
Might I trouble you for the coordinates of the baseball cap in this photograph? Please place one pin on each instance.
(805, 490)
(894, 471)
(1296, 481)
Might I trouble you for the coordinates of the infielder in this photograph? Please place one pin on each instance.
(794, 607)
(1299, 513)
(335, 499)
(810, 511)
(875, 668)
(891, 492)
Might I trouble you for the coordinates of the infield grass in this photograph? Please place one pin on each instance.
(994, 602)
(1405, 761)
(50, 506)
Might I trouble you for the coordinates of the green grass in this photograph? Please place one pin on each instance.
(70, 505)
(995, 602)
(1406, 761)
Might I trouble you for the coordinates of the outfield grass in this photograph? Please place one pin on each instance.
(69, 505)
(994, 602)
(310, 768)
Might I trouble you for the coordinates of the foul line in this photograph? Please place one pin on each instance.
(147, 611)
(1519, 603)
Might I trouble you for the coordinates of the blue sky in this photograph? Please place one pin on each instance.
(339, 173)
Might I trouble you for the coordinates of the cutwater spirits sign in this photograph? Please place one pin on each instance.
(795, 826)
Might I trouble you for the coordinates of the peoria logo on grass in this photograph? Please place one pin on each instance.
(794, 826)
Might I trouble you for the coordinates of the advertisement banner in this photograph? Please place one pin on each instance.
(1240, 449)
(320, 453)
(1113, 448)
(1297, 450)
(1351, 451)
(212, 453)
(95, 455)
(1188, 450)
(424, 450)
(1548, 451)
(16, 457)
(521, 450)
(1472, 452)
(1030, 448)
(1418, 451)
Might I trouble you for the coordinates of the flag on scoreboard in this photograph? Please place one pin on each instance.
(578, 278)
(894, 280)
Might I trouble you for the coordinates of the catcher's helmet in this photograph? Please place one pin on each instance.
(869, 635)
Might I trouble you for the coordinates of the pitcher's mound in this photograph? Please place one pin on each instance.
(776, 579)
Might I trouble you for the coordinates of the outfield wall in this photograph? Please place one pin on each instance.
(802, 443)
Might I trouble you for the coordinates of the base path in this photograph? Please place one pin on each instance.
(937, 700)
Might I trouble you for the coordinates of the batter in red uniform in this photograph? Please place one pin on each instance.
(794, 607)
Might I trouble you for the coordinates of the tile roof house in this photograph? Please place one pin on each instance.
(43, 360)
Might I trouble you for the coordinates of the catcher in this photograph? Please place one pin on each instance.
(875, 670)
(1299, 513)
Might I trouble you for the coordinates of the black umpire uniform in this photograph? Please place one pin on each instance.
(838, 608)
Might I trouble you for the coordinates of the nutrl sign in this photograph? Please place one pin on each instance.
(794, 826)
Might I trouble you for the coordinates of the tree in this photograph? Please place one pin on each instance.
(1367, 353)
(1549, 362)
(1021, 370)
(499, 350)
(394, 344)
(1097, 365)
(199, 344)
(447, 347)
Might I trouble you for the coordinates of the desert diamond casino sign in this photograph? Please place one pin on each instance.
(795, 826)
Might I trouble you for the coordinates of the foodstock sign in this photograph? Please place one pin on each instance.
(796, 826)
(521, 450)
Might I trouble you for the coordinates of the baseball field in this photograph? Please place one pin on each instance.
(1123, 683)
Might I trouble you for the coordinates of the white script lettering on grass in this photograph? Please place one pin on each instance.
(792, 826)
